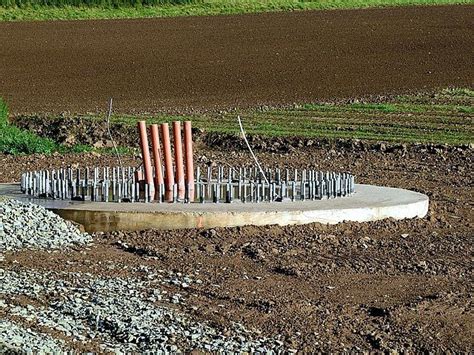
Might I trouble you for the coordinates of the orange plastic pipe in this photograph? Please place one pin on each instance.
(145, 152)
(155, 147)
(165, 139)
(178, 158)
(138, 176)
(188, 151)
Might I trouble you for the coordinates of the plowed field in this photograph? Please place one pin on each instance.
(183, 64)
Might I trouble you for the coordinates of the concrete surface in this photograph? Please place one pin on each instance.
(369, 203)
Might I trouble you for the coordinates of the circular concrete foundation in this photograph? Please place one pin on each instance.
(368, 203)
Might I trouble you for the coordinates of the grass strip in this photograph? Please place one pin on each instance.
(29, 10)
(403, 120)
(16, 141)
(445, 117)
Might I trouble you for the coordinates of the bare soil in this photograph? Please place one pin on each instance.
(209, 63)
(400, 285)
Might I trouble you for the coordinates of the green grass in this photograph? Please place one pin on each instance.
(94, 3)
(19, 10)
(16, 141)
(389, 108)
(445, 118)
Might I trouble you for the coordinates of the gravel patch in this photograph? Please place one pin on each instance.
(16, 339)
(29, 226)
(119, 315)
(123, 315)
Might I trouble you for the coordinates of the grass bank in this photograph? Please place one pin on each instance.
(16, 141)
(443, 118)
(26, 10)
(446, 117)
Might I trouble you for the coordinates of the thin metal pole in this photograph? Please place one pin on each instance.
(250, 149)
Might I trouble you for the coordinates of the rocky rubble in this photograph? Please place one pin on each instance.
(29, 226)
(17, 339)
(122, 315)
(53, 311)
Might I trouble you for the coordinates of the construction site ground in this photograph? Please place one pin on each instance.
(379, 285)
(398, 285)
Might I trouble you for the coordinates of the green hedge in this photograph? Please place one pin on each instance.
(92, 3)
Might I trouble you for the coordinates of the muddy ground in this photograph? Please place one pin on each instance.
(371, 286)
(209, 63)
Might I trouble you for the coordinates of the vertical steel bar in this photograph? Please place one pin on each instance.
(201, 193)
(227, 193)
(175, 193)
(137, 189)
(134, 191)
(214, 193)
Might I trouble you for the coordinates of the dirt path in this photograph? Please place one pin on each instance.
(181, 64)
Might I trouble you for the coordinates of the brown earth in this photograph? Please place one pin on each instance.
(205, 63)
(371, 286)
